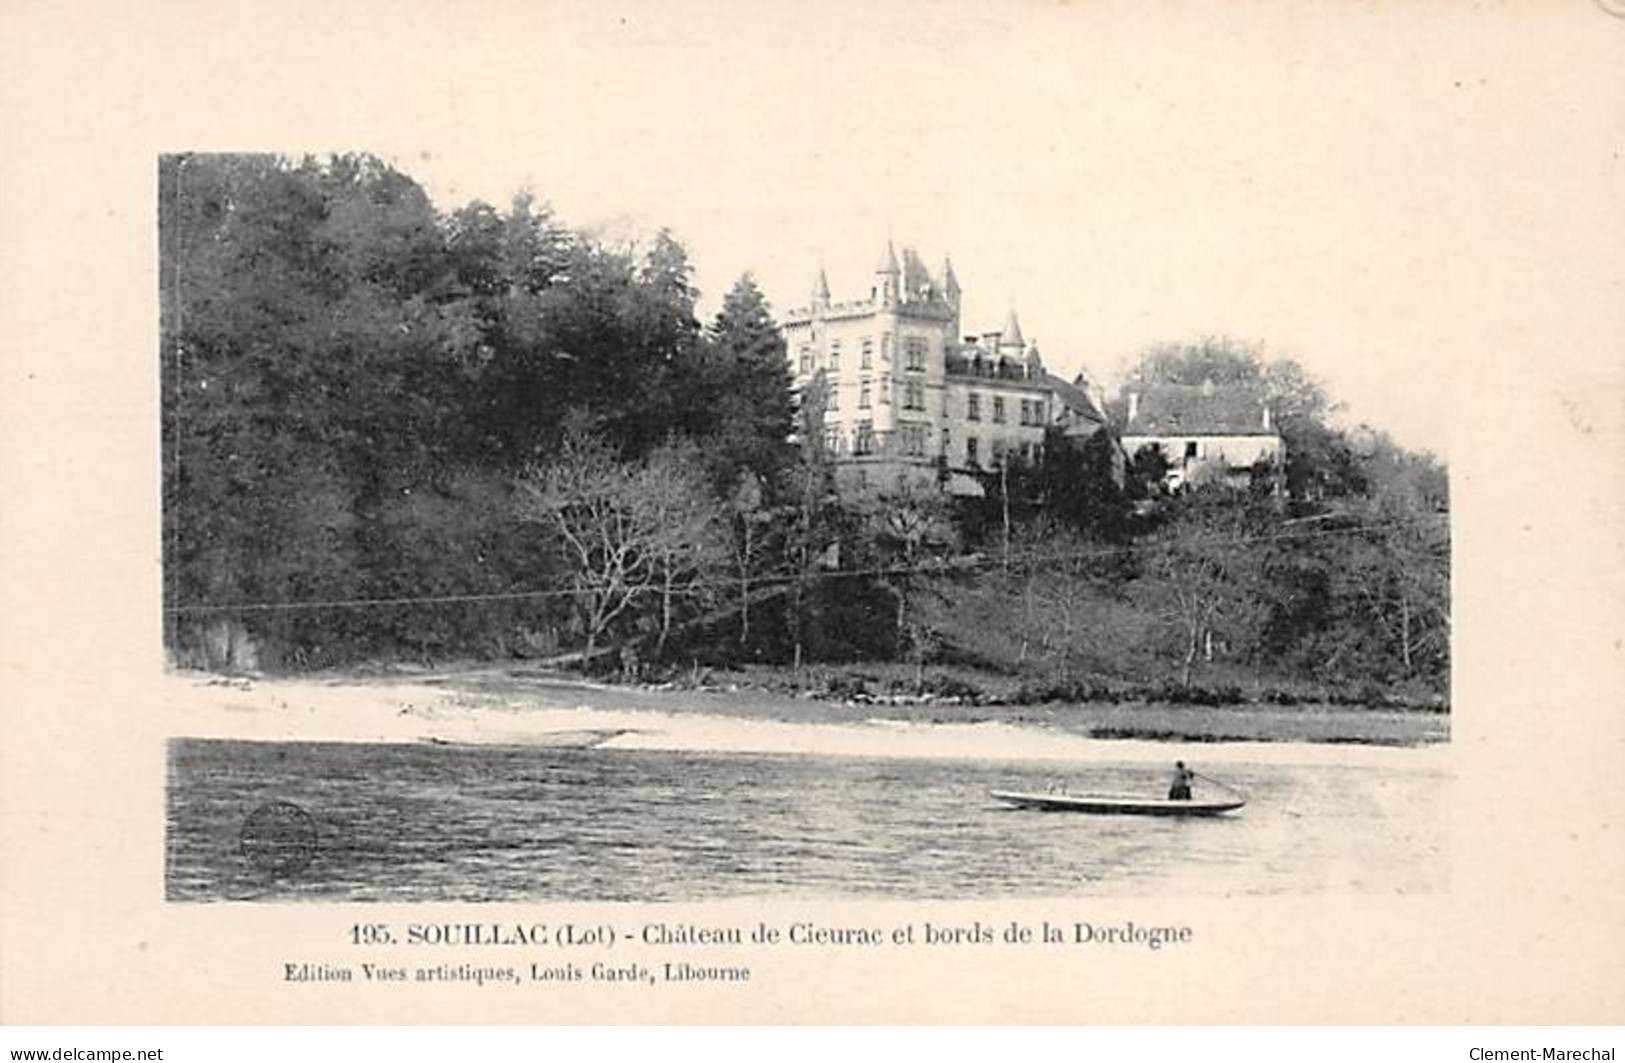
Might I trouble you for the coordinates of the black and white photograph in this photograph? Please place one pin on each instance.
(864, 513)
(521, 553)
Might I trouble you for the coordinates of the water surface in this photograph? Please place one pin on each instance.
(400, 822)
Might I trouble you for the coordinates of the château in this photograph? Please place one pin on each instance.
(908, 400)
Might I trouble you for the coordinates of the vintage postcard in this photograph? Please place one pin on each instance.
(911, 513)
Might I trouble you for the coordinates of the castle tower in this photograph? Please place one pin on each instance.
(888, 277)
(820, 296)
(1011, 339)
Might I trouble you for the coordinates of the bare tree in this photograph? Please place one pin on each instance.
(748, 515)
(687, 545)
(1200, 574)
(605, 523)
(911, 527)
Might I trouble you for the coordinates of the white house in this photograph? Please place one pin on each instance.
(1204, 429)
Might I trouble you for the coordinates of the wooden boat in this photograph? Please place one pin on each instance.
(1117, 804)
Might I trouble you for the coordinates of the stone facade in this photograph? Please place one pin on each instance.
(909, 400)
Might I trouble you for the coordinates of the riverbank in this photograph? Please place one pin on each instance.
(529, 706)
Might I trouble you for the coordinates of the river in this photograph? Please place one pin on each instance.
(421, 822)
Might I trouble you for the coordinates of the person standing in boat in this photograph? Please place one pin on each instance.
(1180, 788)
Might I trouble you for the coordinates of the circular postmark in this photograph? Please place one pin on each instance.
(1613, 7)
(279, 838)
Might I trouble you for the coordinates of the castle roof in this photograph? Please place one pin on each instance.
(888, 260)
(1197, 410)
(1012, 332)
(915, 275)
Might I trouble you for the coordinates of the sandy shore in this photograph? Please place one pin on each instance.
(454, 709)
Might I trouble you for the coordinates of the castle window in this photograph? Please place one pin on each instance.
(834, 394)
(914, 353)
(947, 438)
(973, 407)
(913, 396)
(834, 355)
(863, 395)
(885, 391)
(864, 441)
(970, 450)
(913, 440)
(1192, 450)
(868, 352)
(998, 409)
(806, 359)
(885, 348)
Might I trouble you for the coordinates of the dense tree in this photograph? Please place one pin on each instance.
(738, 396)
(483, 432)
(810, 512)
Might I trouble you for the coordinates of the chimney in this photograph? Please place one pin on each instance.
(1133, 405)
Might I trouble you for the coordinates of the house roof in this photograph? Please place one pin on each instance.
(1198, 410)
(1074, 398)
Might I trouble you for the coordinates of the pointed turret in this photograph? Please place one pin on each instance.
(821, 289)
(888, 282)
(950, 283)
(1011, 337)
(888, 260)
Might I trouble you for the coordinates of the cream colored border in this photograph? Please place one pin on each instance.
(1531, 932)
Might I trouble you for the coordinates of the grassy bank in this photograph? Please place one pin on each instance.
(886, 682)
(891, 694)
